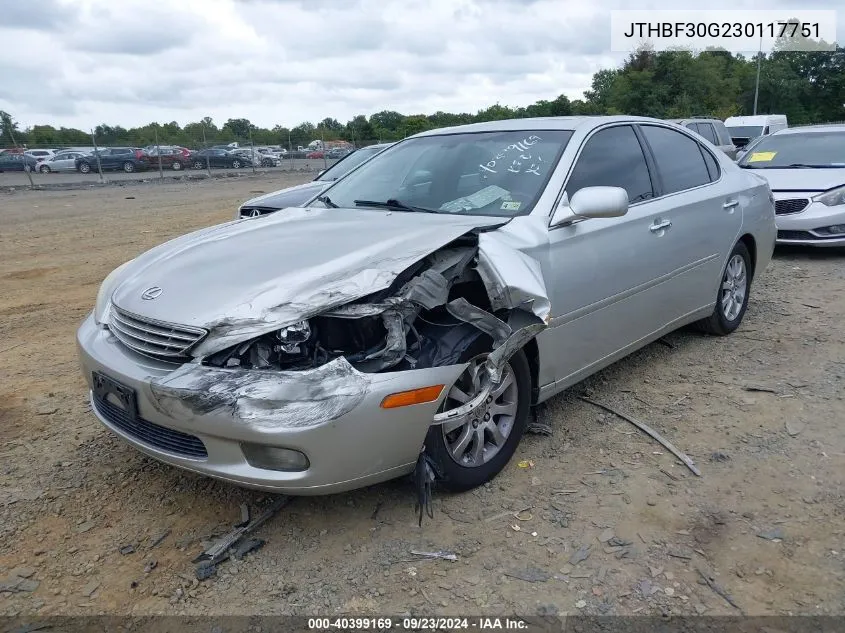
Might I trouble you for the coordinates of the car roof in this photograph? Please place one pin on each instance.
(812, 129)
(570, 123)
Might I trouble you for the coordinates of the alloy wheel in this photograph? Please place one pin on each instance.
(474, 440)
(734, 287)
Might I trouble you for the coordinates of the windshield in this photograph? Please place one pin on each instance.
(348, 163)
(485, 173)
(810, 149)
(745, 131)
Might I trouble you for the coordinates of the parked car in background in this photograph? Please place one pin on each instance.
(744, 129)
(127, 159)
(175, 158)
(62, 161)
(40, 154)
(338, 152)
(301, 194)
(713, 130)
(805, 167)
(257, 157)
(315, 154)
(407, 322)
(218, 158)
(17, 161)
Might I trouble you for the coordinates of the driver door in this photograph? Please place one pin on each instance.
(605, 274)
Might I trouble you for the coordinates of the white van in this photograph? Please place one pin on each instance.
(744, 129)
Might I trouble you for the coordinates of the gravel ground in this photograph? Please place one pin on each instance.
(596, 518)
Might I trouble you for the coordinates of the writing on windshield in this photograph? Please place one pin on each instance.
(524, 147)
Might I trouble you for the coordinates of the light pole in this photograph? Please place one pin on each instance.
(757, 82)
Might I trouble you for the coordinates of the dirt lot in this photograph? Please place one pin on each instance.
(765, 522)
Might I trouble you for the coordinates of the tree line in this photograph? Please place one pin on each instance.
(809, 87)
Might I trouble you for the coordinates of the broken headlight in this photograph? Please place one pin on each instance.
(307, 344)
(291, 336)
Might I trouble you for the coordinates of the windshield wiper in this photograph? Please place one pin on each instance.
(811, 166)
(393, 204)
(327, 201)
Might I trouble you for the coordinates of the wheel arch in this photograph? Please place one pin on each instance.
(751, 245)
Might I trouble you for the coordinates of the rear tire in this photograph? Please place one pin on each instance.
(732, 295)
(177, 166)
(128, 167)
(439, 446)
(84, 168)
(44, 169)
(236, 164)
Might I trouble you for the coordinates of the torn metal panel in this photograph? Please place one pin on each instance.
(512, 278)
(282, 276)
(263, 399)
(488, 323)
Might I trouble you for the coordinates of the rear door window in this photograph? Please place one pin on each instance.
(679, 159)
(613, 157)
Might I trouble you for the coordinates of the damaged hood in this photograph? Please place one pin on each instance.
(245, 278)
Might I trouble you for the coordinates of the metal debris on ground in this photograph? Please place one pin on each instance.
(127, 549)
(719, 456)
(708, 580)
(760, 388)
(531, 574)
(246, 546)
(649, 431)
(440, 554)
(220, 550)
(158, 539)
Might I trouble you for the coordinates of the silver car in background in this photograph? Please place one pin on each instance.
(805, 167)
(61, 161)
(408, 318)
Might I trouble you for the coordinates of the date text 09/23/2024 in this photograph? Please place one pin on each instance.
(417, 624)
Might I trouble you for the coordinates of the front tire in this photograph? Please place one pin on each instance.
(176, 166)
(84, 168)
(732, 296)
(44, 169)
(198, 164)
(128, 167)
(469, 454)
(236, 164)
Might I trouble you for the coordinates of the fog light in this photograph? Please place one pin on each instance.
(275, 458)
(836, 229)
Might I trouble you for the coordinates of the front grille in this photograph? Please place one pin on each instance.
(255, 212)
(796, 235)
(794, 205)
(157, 339)
(153, 435)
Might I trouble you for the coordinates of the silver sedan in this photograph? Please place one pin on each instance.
(62, 161)
(407, 319)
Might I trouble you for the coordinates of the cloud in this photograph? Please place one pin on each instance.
(129, 62)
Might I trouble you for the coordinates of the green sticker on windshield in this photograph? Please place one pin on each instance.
(511, 205)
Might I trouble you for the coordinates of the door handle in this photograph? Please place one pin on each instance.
(730, 204)
(659, 226)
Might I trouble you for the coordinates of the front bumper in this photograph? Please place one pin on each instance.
(331, 414)
(806, 228)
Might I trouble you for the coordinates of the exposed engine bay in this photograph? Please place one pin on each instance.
(396, 328)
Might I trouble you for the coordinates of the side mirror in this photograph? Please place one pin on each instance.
(591, 202)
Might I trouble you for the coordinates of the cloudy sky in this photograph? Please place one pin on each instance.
(129, 62)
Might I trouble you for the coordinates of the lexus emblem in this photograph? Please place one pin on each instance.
(255, 213)
(151, 293)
